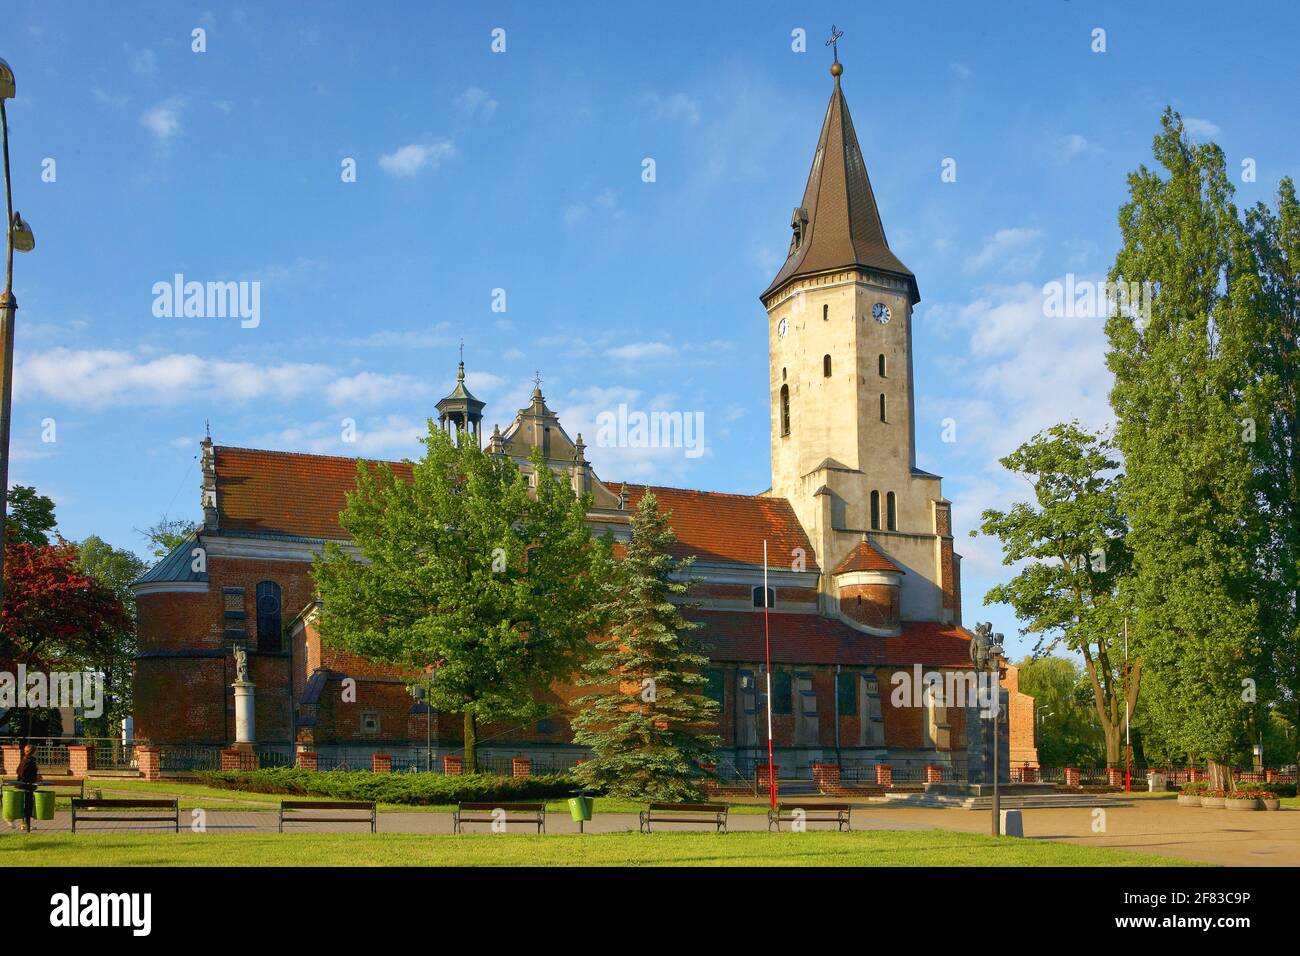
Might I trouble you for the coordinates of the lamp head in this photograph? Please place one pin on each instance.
(23, 238)
(7, 87)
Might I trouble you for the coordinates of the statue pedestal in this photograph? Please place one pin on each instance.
(245, 724)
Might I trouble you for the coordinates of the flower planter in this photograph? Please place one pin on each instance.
(1189, 800)
(1212, 802)
(1272, 803)
(1241, 803)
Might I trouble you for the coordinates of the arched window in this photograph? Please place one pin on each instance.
(826, 366)
(882, 364)
(268, 617)
(826, 313)
(882, 407)
(785, 409)
(891, 512)
(875, 511)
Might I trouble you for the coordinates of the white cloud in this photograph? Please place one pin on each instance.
(641, 351)
(389, 437)
(406, 161)
(1008, 250)
(1075, 144)
(141, 62)
(674, 107)
(477, 102)
(605, 200)
(433, 336)
(1200, 128)
(371, 388)
(164, 120)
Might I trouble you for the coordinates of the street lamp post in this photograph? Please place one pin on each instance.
(18, 235)
(986, 655)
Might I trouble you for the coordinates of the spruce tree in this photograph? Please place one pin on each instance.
(648, 721)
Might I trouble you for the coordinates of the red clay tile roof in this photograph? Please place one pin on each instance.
(811, 639)
(865, 557)
(717, 527)
(274, 492)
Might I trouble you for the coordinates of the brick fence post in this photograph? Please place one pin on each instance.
(12, 755)
(762, 774)
(826, 776)
(934, 773)
(233, 759)
(1115, 776)
(308, 760)
(1270, 776)
(1072, 777)
(453, 766)
(81, 760)
(884, 775)
(149, 762)
(521, 767)
(381, 763)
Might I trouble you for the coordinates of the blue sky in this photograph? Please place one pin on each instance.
(522, 171)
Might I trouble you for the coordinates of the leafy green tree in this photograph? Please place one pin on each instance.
(649, 723)
(115, 569)
(1070, 541)
(1276, 240)
(30, 517)
(167, 535)
(467, 573)
(1067, 732)
(1187, 402)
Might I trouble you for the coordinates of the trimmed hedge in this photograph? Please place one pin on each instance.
(414, 789)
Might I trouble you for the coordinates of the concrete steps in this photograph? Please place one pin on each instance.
(1008, 802)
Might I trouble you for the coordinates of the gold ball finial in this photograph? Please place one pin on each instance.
(836, 69)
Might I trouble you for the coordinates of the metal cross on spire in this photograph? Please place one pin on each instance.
(833, 41)
(462, 350)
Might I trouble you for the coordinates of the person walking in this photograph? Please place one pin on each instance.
(29, 772)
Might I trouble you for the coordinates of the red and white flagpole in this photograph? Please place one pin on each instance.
(1128, 738)
(767, 639)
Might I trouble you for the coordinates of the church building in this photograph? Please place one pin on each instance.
(864, 582)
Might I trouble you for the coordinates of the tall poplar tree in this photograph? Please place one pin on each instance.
(468, 573)
(1276, 237)
(1188, 406)
(649, 723)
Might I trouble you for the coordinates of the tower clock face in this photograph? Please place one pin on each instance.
(782, 327)
(880, 312)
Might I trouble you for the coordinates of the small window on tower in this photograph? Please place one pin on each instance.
(785, 410)
(757, 595)
(882, 408)
(826, 313)
(891, 512)
(875, 511)
(882, 364)
(826, 366)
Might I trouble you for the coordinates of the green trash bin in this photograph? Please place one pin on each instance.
(44, 804)
(580, 809)
(13, 803)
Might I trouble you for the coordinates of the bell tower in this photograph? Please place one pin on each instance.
(839, 317)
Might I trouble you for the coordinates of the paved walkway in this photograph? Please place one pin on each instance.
(1228, 837)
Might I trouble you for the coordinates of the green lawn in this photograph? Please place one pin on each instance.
(867, 848)
(193, 795)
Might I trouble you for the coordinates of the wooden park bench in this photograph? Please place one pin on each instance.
(301, 811)
(697, 813)
(837, 813)
(62, 786)
(527, 813)
(112, 811)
